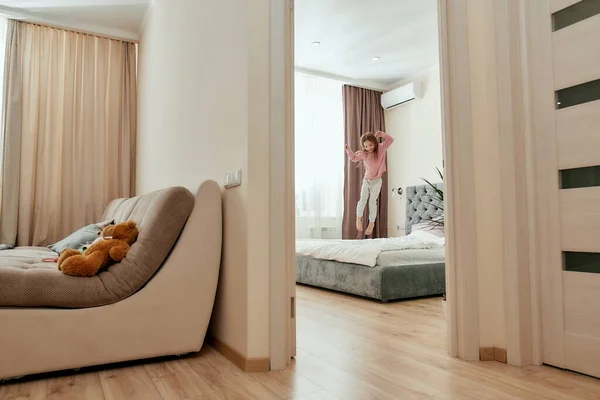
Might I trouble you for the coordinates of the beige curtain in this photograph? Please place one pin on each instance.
(69, 131)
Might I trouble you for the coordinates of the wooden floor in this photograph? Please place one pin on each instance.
(348, 348)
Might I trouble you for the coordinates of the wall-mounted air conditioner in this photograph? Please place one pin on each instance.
(401, 95)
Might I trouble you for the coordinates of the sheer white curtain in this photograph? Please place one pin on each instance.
(319, 132)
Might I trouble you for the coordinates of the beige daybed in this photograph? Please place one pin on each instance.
(156, 302)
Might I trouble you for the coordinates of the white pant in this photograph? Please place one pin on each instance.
(369, 190)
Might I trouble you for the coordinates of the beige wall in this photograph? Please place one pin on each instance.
(417, 149)
(196, 122)
(259, 164)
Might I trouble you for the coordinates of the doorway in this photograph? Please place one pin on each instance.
(461, 293)
(339, 96)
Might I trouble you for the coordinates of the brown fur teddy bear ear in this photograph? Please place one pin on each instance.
(107, 231)
(126, 231)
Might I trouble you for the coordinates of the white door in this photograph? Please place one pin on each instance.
(565, 75)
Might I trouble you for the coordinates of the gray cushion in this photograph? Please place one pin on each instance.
(76, 239)
(160, 216)
(81, 237)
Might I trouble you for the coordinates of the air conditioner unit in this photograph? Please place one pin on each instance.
(401, 95)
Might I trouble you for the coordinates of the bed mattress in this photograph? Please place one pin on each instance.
(408, 257)
(367, 252)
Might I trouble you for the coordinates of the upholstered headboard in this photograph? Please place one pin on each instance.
(419, 205)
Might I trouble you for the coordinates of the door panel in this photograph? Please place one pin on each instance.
(578, 135)
(565, 79)
(582, 354)
(580, 219)
(557, 5)
(581, 316)
(576, 53)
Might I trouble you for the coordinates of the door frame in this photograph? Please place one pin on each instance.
(515, 28)
(282, 244)
(461, 264)
(459, 188)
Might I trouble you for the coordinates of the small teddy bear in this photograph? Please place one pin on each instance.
(111, 248)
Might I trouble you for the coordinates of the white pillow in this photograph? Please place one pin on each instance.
(428, 226)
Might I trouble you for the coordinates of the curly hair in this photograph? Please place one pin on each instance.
(369, 137)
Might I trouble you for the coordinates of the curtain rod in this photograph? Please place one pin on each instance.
(86, 29)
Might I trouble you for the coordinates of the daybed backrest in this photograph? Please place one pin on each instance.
(161, 216)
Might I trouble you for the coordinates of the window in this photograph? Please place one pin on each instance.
(319, 156)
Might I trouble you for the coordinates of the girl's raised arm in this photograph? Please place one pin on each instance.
(387, 140)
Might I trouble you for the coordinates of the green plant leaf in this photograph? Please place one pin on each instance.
(437, 199)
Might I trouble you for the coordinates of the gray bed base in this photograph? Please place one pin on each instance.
(383, 283)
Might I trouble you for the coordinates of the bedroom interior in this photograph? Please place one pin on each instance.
(347, 85)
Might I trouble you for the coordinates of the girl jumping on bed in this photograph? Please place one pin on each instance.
(373, 156)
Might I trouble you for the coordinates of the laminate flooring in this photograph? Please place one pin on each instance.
(348, 348)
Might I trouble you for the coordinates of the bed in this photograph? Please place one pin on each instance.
(383, 269)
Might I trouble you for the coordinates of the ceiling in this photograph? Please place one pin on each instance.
(124, 16)
(403, 33)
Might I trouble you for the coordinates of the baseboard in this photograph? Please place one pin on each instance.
(500, 354)
(492, 354)
(244, 363)
(486, 354)
(257, 365)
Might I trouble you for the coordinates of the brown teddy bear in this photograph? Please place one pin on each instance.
(112, 246)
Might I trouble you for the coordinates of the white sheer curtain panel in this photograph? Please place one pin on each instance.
(319, 152)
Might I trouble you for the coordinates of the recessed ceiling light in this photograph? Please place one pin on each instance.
(316, 43)
(375, 58)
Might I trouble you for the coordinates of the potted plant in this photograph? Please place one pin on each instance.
(437, 199)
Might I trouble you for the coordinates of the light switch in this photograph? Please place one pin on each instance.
(233, 179)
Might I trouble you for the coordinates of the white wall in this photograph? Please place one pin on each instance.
(201, 103)
(417, 149)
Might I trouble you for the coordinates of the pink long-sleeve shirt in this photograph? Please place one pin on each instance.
(374, 162)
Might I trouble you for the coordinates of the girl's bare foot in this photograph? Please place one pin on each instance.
(369, 230)
(359, 226)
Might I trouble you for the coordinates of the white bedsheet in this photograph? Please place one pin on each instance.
(411, 257)
(365, 252)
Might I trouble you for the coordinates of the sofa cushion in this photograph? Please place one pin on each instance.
(80, 237)
(160, 215)
(27, 258)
